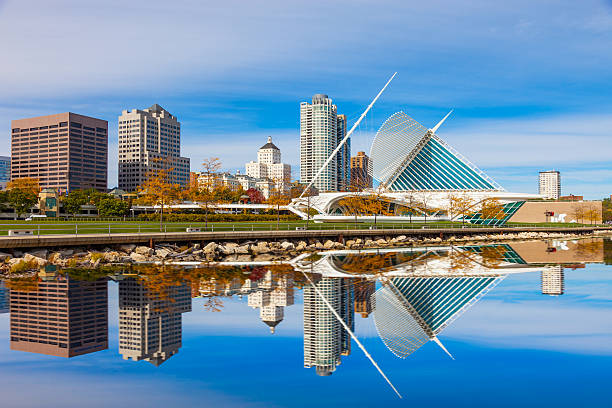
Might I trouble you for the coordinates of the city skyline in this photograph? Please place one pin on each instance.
(485, 63)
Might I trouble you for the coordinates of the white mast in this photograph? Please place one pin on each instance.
(329, 159)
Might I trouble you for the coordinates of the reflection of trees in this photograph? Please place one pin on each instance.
(379, 262)
(22, 284)
(589, 247)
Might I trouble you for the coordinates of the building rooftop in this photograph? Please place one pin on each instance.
(269, 145)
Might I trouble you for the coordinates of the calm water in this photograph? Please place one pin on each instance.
(524, 324)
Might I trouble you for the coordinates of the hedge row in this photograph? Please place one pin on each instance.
(218, 217)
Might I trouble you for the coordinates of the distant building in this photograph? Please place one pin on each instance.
(361, 171)
(150, 325)
(363, 297)
(5, 171)
(550, 184)
(553, 280)
(269, 166)
(4, 298)
(325, 339)
(149, 140)
(64, 151)
(271, 295)
(571, 197)
(62, 317)
(234, 182)
(321, 131)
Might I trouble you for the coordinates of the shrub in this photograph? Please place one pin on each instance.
(23, 266)
(218, 217)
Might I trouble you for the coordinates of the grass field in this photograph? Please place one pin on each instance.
(106, 227)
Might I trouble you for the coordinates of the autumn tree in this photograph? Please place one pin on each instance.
(593, 213)
(353, 204)
(491, 209)
(159, 189)
(375, 204)
(23, 194)
(459, 205)
(205, 194)
(578, 213)
(277, 198)
(255, 196)
(423, 203)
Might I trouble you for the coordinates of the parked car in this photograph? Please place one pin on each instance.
(35, 216)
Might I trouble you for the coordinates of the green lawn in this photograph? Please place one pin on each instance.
(104, 227)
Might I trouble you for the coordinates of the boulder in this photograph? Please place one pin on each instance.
(263, 257)
(211, 248)
(143, 250)
(32, 258)
(66, 252)
(287, 246)
(127, 248)
(242, 249)
(369, 242)
(112, 256)
(162, 252)
(13, 261)
(262, 247)
(40, 253)
(243, 258)
(136, 257)
(328, 244)
(381, 241)
(301, 246)
(4, 257)
(401, 238)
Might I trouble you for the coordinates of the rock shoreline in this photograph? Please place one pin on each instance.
(19, 262)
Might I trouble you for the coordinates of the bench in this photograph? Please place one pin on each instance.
(300, 228)
(14, 233)
(190, 229)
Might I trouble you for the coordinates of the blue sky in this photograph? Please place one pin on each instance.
(530, 82)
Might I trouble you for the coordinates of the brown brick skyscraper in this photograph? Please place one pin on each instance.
(64, 151)
(63, 317)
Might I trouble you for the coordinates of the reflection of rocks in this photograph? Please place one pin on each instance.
(260, 251)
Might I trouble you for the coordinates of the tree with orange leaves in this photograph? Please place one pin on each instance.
(159, 188)
(23, 194)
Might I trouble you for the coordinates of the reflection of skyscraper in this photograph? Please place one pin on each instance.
(4, 298)
(63, 317)
(150, 326)
(271, 296)
(324, 337)
(363, 297)
(553, 280)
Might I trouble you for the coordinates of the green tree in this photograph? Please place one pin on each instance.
(112, 207)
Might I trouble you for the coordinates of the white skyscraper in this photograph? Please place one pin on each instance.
(269, 166)
(321, 130)
(550, 184)
(150, 139)
(325, 339)
(150, 327)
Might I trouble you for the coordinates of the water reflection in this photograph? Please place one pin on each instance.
(412, 294)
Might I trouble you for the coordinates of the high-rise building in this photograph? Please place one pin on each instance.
(4, 298)
(269, 166)
(5, 171)
(321, 130)
(150, 325)
(553, 280)
(550, 184)
(150, 140)
(65, 151)
(325, 338)
(361, 171)
(63, 317)
(363, 297)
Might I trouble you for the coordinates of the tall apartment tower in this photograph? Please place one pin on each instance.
(321, 130)
(150, 139)
(271, 295)
(150, 326)
(65, 151)
(550, 184)
(269, 166)
(553, 280)
(62, 317)
(5, 171)
(361, 171)
(325, 339)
